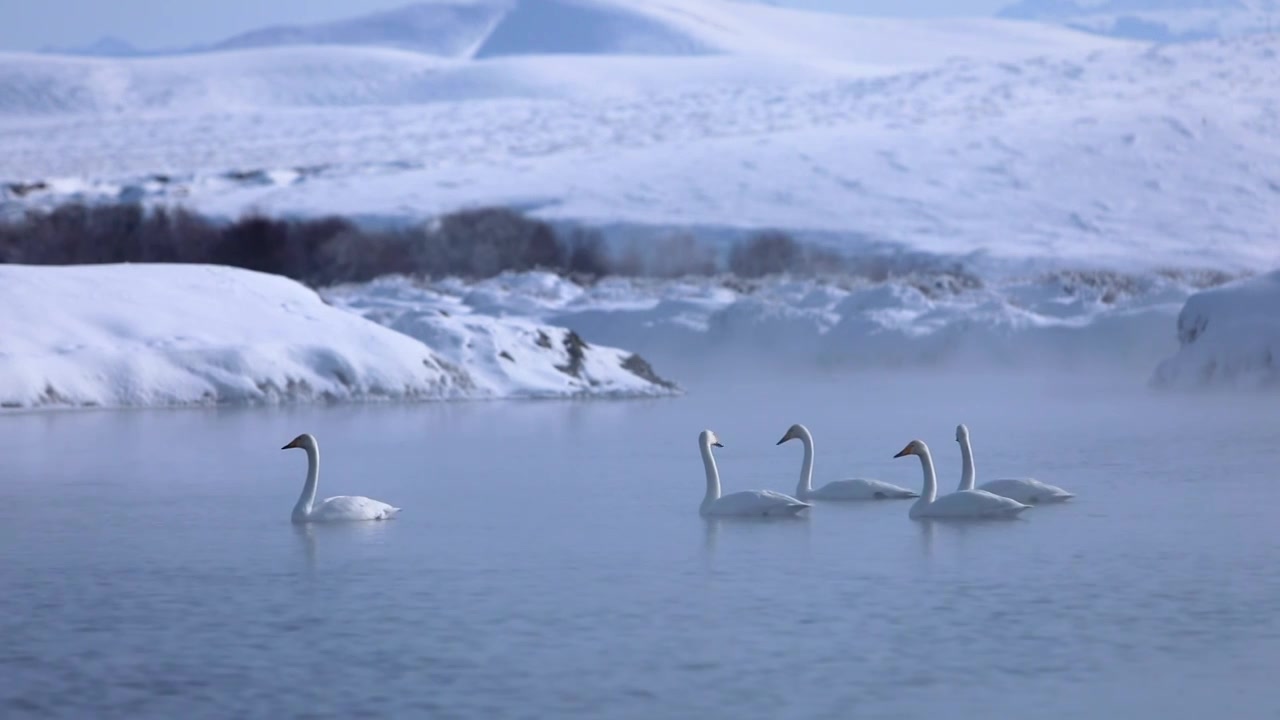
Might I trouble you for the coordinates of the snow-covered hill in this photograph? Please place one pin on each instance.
(154, 335)
(1127, 156)
(1011, 141)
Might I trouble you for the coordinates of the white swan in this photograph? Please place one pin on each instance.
(855, 489)
(335, 509)
(747, 503)
(1025, 490)
(962, 504)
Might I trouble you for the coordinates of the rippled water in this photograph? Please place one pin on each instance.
(550, 561)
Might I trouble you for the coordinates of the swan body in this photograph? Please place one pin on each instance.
(964, 504)
(854, 489)
(1028, 491)
(341, 508)
(746, 503)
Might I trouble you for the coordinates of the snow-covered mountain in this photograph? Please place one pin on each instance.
(1153, 20)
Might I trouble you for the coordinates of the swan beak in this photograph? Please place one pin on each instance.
(716, 444)
(784, 439)
(292, 444)
(905, 452)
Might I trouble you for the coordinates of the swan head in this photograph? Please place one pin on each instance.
(962, 433)
(915, 447)
(304, 441)
(708, 438)
(795, 432)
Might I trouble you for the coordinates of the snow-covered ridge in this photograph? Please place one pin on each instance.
(1228, 336)
(157, 335)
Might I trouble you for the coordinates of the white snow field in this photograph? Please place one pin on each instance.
(153, 335)
(1229, 336)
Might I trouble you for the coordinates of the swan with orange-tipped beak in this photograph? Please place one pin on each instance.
(342, 508)
(964, 504)
(745, 503)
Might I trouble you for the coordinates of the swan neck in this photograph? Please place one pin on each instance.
(806, 467)
(713, 475)
(302, 510)
(969, 474)
(930, 492)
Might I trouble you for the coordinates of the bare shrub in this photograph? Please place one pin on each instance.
(767, 253)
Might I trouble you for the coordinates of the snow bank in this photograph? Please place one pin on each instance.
(153, 335)
(146, 335)
(1229, 336)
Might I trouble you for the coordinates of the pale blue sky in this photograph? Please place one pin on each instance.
(31, 24)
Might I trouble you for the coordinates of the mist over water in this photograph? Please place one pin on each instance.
(550, 561)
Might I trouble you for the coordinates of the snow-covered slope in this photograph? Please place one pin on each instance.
(1228, 336)
(468, 49)
(151, 335)
(1148, 157)
(1037, 145)
(1153, 20)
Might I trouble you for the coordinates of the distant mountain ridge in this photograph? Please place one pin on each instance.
(1153, 20)
(449, 28)
(105, 46)
(495, 28)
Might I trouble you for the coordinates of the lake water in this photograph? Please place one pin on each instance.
(550, 561)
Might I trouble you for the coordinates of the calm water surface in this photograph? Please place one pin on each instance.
(550, 561)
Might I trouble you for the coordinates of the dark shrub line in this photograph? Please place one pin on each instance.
(471, 243)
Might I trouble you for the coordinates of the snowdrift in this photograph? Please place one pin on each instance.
(1229, 336)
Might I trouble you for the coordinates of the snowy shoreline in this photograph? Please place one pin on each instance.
(171, 335)
(116, 336)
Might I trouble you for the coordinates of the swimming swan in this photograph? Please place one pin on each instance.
(1025, 490)
(748, 503)
(963, 504)
(335, 509)
(855, 489)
